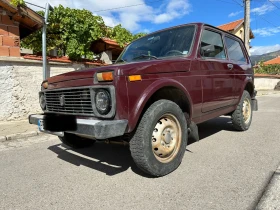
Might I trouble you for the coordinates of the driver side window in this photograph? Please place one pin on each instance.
(212, 45)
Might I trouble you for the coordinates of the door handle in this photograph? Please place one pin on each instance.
(230, 66)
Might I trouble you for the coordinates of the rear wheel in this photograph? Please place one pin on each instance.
(242, 116)
(160, 141)
(74, 141)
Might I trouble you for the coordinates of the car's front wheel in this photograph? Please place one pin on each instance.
(160, 141)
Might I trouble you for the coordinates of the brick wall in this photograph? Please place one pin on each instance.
(9, 36)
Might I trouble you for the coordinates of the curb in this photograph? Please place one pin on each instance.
(19, 136)
(271, 196)
(265, 93)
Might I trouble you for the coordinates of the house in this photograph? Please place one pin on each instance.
(237, 28)
(15, 24)
(108, 49)
(273, 61)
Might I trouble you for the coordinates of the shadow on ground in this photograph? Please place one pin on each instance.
(214, 126)
(115, 159)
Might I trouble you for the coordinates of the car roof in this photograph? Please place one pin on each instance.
(200, 24)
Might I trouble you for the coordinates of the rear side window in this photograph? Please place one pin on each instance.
(235, 51)
(212, 45)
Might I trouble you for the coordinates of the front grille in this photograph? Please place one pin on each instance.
(70, 101)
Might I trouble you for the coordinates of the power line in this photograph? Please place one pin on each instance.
(229, 2)
(35, 5)
(259, 16)
(238, 3)
(274, 4)
(126, 6)
(268, 21)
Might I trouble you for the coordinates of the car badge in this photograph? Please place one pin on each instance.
(62, 100)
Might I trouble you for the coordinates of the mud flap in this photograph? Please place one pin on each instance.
(193, 135)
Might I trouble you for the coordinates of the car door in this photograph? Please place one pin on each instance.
(236, 55)
(216, 71)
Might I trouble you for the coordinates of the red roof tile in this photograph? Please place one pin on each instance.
(267, 76)
(231, 26)
(64, 59)
(273, 61)
(110, 41)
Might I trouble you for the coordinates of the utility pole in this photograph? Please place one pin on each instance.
(46, 73)
(247, 24)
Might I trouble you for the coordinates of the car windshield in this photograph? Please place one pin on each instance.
(163, 44)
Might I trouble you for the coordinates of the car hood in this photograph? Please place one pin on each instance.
(125, 69)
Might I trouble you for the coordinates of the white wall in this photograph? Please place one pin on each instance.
(266, 83)
(20, 82)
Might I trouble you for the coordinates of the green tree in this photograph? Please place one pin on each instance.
(18, 3)
(71, 32)
(139, 35)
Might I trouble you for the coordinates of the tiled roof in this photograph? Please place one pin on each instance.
(110, 41)
(29, 20)
(231, 26)
(273, 61)
(64, 60)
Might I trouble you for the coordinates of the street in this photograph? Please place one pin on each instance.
(226, 169)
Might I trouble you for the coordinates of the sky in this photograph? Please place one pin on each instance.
(152, 15)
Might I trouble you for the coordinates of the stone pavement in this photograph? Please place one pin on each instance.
(17, 129)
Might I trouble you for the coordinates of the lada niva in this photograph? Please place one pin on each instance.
(159, 89)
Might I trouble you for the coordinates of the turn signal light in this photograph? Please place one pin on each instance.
(105, 76)
(133, 78)
(45, 85)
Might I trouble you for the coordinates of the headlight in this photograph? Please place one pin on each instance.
(103, 101)
(42, 101)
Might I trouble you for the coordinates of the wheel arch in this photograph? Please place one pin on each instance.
(249, 87)
(160, 89)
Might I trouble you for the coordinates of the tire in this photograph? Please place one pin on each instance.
(76, 142)
(242, 116)
(159, 143)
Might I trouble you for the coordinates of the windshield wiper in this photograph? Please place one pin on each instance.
(145, 56)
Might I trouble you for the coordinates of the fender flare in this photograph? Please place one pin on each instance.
(146, 95)
(246, 82)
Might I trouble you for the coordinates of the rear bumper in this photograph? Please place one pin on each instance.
(98, 129)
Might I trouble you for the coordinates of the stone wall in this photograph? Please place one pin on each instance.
(20, 82)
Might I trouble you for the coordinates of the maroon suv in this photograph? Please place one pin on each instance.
(158, 90)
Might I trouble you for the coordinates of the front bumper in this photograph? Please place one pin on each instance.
(98, 129)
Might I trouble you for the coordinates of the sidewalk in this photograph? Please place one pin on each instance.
(271, 197)
(267, 92)
(17, 129)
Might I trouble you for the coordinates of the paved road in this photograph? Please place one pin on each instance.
(225, 170)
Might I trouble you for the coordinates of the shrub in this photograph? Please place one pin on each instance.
(273, 69)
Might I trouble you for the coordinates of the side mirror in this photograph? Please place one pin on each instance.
(206, 50)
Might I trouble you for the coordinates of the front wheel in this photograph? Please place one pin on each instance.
(242, 116)
(160, 141)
